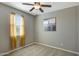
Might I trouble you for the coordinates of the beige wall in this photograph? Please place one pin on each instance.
(66, 35)
(4, 27)
(78, 28)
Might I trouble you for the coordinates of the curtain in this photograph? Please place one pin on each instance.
(13, 32)
(22, 31)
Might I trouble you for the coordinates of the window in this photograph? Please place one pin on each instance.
(16, 24)
(49, 24)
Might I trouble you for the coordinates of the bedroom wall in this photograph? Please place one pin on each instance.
(78, 27)
(65, 36)
(4, 27)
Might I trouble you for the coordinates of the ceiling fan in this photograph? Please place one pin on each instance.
(37, 6)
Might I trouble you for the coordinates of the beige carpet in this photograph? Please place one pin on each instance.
(40, 50)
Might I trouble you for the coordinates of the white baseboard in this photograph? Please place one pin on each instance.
(5, 53)
(40, 44)
(58, 48)
(29, 44)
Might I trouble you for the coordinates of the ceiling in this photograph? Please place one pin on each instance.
(55, 6)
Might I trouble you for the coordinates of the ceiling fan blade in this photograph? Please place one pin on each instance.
(41, 9)
(32, 9)
(27, 4)
(46, 5)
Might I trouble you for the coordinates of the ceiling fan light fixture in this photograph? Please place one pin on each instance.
(37, 6)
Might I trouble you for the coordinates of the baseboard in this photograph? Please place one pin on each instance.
(58, 48)
(5, 53)
(2, 54)
(29, 44)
